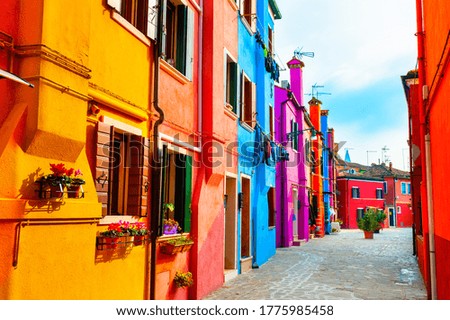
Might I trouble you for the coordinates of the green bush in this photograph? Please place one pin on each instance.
(369, 221)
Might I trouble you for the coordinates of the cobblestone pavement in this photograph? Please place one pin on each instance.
(339, 266)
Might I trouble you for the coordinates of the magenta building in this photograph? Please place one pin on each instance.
(291, 179)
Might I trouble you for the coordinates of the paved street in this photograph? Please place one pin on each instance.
(339, 266)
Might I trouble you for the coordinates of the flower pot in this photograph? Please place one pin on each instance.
(56, 191)
(368, 234)
(126, 241)
(74, 191)
(171, 249)
(170, 229)
(139, 240)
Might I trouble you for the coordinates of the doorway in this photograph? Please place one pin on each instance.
(230, 206)
(295, 213)
(392, 217)
(245, 206)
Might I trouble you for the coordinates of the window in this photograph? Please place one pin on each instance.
(385, 186)
(248, 13)
(379, 193)
(177, 41)
(406, 188)
(122, 171)
(177, 186)
(399, 209)
(231, 81)
(270, 35)
(248, 101)
(359, 213)
(140, 13)
(355, 193)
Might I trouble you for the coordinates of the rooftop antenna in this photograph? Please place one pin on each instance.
(298, 53)
(384, 156)
(315, 92)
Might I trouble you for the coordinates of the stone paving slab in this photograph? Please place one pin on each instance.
(339, 266)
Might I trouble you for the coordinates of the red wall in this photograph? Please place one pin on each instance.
(434, 73)
(347, 206)
(395, 198)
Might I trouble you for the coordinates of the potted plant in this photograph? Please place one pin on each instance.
(171, 226)
(381, 216)
(74, 184)
(183, 279)
(139, 232)
(55, 181)
(368, 223)
(176, 245)
(109, 239)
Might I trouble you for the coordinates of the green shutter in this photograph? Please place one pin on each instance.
(188, 195)
(296, 136)
(162, 36)
(180, 60)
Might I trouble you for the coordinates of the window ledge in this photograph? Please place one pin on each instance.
(229, 112)
(115, 219)
(246, 127)
(130, 28)
(173, 72)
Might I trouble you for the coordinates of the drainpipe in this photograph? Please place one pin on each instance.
(430, 217)
(200, 77)
(156, 161)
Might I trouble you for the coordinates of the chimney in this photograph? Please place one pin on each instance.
(390, 166)
(296, 74)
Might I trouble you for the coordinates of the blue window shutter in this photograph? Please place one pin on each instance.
(190, 44)
(152, 20)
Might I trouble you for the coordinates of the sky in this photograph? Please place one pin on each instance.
(361, 48)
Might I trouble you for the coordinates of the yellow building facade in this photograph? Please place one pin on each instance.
(91, 64)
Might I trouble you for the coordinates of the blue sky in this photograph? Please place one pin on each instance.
(361, 48)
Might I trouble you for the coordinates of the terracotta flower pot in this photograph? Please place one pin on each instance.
(74, 191)
(368, 234)
(139, 240)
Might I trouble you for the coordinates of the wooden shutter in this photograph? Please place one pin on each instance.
(138, 176)
(152, 20)
(102, 172)
(116, 4)
(242, 100)
(189, 44)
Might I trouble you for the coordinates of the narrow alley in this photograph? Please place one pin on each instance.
(339, 266)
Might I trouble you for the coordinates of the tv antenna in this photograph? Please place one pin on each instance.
(315, 92)
(298, 53)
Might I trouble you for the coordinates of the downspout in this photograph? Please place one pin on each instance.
(430, 218)
(156, 160)
(200, 77)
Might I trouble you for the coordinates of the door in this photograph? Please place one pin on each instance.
(230, 205)
(392, 217)
(295, 213)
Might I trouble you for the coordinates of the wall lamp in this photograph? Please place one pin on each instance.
(293, 134)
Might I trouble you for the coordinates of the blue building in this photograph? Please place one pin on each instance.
(256, 171)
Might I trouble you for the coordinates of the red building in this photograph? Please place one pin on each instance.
(397, 190)
(427, 93)
(357, 193)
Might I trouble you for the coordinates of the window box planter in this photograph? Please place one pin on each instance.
(110, 243)
(176, 245)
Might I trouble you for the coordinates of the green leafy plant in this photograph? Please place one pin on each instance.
(178, 241)
(369, 221)
(183, 279)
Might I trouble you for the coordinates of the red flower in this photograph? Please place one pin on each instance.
(58, 169)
